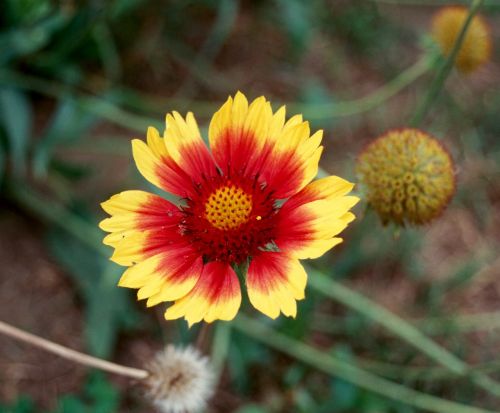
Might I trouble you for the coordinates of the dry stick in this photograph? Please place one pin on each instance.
(70, 354)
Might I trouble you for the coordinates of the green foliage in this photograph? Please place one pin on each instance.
(68, 124)
(15, 118)
(252, 408)
(363, 26)
(296, 18)
(99, 396)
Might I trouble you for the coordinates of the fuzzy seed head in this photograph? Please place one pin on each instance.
(407, 175)
(180, 380)
(476, 47)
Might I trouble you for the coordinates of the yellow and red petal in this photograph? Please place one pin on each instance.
(250, 139)
(157, 166)
(275, 281)
(298, 232)
(216, 296)
(308, 222)
(133, 211)
(186, 147)
(238, 133)
(138, 210)
(136, 246)
(165, 276)
(329, 188)
(140, 223)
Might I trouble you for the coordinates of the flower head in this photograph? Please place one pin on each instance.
(408, 176)
(180, 380)
(476, 47)
(248, 201)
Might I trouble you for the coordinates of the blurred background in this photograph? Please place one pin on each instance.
(79, 79)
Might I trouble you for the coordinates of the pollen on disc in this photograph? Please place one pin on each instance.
(228, 207)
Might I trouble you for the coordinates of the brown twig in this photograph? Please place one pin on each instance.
(70, 354)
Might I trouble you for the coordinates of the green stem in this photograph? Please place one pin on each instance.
(371, 101)
(335, 367)
(445, 68)
(400, 328)
(220, 347)
(432, 326)
(427, 373)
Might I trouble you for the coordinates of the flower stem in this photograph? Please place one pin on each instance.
(70, 354)
(203, 337)
(445, 69)
(370, 101)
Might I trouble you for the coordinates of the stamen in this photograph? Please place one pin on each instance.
(228, 207)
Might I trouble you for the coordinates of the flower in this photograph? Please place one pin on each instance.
(408, 176)
(180, 380)
(248, 201)
(476, 47)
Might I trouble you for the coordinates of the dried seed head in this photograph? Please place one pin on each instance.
(180, 380)
(407, 175)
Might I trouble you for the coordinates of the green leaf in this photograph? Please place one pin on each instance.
(67, 125)
(70, 403)
(68, 170)
(16, 119)
(104, 395)
(108, 52)
(25, 11)
(120, 8)
(2, 162)
(252, 408)
(295, 16)
(22, 41)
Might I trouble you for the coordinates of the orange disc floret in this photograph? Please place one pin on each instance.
(407, 175)
(476, 47)
(249, 200)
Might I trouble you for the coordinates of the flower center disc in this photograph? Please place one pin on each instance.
(228, 207)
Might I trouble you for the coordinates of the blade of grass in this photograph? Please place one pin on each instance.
(399, 327)
(328, 364)
(460, 324)
(424, 373)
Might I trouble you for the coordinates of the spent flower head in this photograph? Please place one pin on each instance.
(181, 380)
(477, 45)
(407, 175)
(249, 200)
